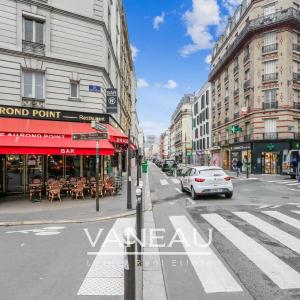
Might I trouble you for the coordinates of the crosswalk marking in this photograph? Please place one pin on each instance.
(278, 271)
(106, 275)
(164, 182)
(178, 190)
(210, 270)
(274, 232)
(290, 184)
(296, 212)
(280, 181)
(176, 181)
(283, 218)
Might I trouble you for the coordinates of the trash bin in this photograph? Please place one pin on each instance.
(145, 167)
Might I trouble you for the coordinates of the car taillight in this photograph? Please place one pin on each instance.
(199, 179)
(227, 178)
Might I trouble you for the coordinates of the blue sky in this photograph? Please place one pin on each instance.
(171, 41)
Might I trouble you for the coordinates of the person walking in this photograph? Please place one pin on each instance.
(239, 165)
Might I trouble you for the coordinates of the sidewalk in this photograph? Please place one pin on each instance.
(20, 211)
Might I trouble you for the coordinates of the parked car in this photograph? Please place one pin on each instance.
(168, 164)
(206, 181)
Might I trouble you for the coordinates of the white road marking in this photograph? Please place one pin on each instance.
(290, 184)
(283, 237)
(164, 182)
(106, 275)
(178, 190)
(47, 233)
(52, 230)
(278, 271)
(279, 181)
(275, 206)
(210, 270)
(190, 201)
(296, 212)
(294, 190)
(283, 218)
(292, 203)
(264, 206)
(176, 181)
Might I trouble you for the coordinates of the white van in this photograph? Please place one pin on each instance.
(291, 163)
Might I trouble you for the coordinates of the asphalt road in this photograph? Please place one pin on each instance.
(255, 255)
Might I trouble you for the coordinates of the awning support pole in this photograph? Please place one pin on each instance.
(97, 175)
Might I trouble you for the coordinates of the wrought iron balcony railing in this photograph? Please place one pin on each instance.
(296, 77)
(296, 105)
(247, 85)
(235, 69)
(236, 92)
(226, 78)
(297, 136)
(247, 137)
(270, 105)
(270, 77)
(246, 57)
(296, 47)
(270, 48)
(33, 48)
(236, 116)
(270, 135)
(226, 99)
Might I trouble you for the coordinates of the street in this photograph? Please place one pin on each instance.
(254, 252)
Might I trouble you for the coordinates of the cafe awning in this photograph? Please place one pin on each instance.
(24, 136)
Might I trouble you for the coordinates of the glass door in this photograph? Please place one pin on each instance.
(2, 163)
(270, 162)
(34, 167)
(15, 173)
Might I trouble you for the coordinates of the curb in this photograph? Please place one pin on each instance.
(89, 220)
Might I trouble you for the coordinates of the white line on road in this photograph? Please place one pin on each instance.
(164, 182)
(264, 206)
(212, 273)
(178, 190)
(190, 201)
(283, 237)
(280, 181)
(275, 206)
(278, 271)
(106, 275)
(296, 212)
(290, 184)
(283, 218)
(176, 181)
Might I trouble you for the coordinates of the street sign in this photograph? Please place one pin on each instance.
(111, 101)
(90, 136)
(98, 126)
(94, 88)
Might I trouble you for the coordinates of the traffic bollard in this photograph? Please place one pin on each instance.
(139, 225)
(129, 264)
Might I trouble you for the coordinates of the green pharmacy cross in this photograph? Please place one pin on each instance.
(235, 129)
(270, 147)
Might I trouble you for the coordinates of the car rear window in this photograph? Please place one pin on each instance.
(211, 173)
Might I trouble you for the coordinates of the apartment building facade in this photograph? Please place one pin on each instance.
(202, 125)
(255, 86)
(182, 129)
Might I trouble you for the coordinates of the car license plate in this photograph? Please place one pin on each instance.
(217, 190)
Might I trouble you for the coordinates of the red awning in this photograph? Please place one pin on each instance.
(133, 147)
(23, 136)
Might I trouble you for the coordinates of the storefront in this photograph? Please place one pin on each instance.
(38, 143)
(243, 153)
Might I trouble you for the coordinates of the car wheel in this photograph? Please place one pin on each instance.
(229, 195)
(194, 196)
(182, 188)
(293, 176)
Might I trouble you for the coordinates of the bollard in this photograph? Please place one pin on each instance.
(129, 264)
(142, 204)
(139, 225)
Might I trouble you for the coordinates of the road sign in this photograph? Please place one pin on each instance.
(94, 88)
(111, 101)
(98, 126)
(90, 136)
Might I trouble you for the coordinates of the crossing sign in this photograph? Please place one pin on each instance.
(90, 136)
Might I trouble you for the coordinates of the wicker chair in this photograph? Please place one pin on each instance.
(101, 189)
(109, 187)
(35, 189)
(77, 190)
(54, 191)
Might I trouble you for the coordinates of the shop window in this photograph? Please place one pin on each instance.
(73, 166)
(33, 84)
(55, 166)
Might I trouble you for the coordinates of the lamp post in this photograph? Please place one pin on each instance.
(129, 202)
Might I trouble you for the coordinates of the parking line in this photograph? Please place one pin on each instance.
(176, 181)
(277, 270)
(164, 182)
(283, 218)
(178, 190)
(210, 270)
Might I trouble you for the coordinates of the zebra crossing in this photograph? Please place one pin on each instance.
(293, 185)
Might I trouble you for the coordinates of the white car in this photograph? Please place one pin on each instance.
(206, 181)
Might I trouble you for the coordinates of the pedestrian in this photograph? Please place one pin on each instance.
(239, 165)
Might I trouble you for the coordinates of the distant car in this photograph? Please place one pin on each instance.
(168, 164)
(200, 181)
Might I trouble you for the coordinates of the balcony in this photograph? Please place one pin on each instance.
(248, 138)
(219, 86)
(226, 119)
(235, 69)
(246, 58)
(281, 18)
(219, 123)
(270, 77)
(247, 85)
(270, 48)
(236, 139)
(296, 105)
(226, 78)
(296, 47)
(33, 48)
(297, 136)
(270, 135)
(226, 99)
(236, 115)
(270, 105)
(219, 105)
(296, 77)
(236, 92)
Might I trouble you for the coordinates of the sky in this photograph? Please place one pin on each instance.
(171, 42)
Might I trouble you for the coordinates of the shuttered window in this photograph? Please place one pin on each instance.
(270, 38)
(270, 125)
(270, 96)
(270, 67)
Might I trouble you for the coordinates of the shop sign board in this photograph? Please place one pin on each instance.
(90, 136)
(241, 147)
(98, 126)
(111, 101)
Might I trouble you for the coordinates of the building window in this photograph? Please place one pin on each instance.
(270, 126)
(207, 97)
(269, 9)
(270, 42)
(34, 31)
(270, 96)
(270, 68)
(74, 89)
(33, 85)
(109, 63)
(202, 101)
(207, 128)
(206, 113)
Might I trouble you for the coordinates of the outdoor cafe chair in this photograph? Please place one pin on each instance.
(77, 190)
(54, 191)
(35, 189)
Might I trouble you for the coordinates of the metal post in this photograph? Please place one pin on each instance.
(129, 264)
(137, 170)
(139, 224)
(97, 175)
(129, 202)
(247, 162)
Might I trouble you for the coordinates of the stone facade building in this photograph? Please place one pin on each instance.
(256, 85)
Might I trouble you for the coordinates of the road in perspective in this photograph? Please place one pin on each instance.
(149, 150)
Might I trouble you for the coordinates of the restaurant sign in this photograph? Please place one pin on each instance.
(51, 114)
(32, 135)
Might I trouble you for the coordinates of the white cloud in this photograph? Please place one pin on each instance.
(208, 59)
(171, 85)
(204, 14)
(158, 21)
(142, 83)
(150, 127)
(231, 5)
(134, 51)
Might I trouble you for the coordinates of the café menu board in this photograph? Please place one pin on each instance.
(50, 114)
